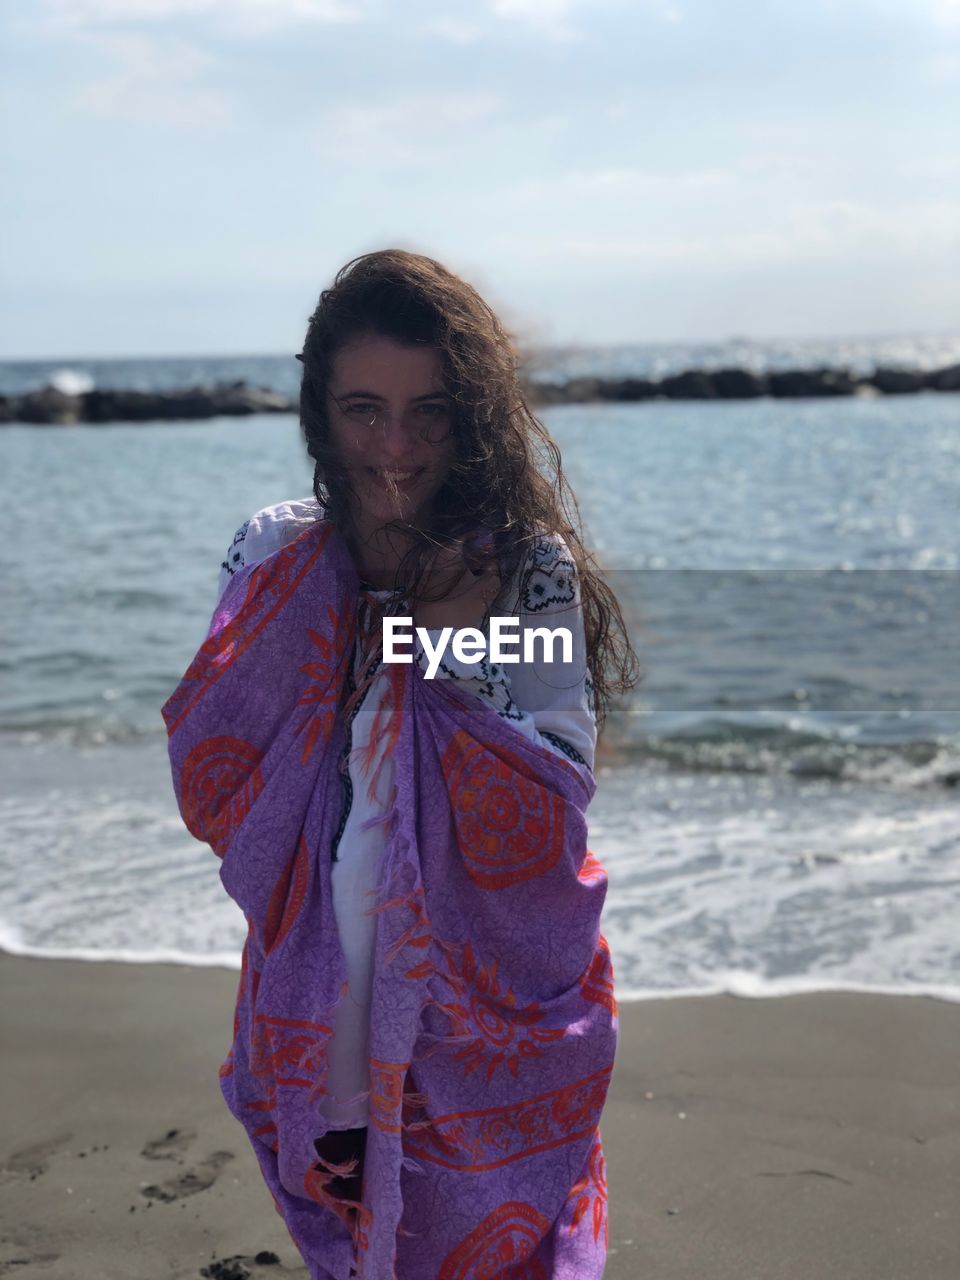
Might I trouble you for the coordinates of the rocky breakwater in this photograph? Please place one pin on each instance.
(744, 384)
(52, 407)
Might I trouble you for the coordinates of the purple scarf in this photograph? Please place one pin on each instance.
(493, 1023)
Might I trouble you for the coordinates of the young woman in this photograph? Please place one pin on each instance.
(438, 496)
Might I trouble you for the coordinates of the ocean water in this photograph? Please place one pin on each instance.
(777, 806)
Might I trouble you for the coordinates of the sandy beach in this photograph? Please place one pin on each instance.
(782, 1139)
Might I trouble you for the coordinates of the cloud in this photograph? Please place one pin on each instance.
(939, 13)
(546, 17)
(535, 11)
(851, 227)
(158, 75)
(155, 82)
(824, 231)
(624, 183)
(550, 17)
(409, 128)
(251, 15)
(454, 30)
(945, 13)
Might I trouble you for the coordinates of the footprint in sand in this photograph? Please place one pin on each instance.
(171, 1146)
(22, 1247)
(199, 1178)
(25, 1258)
(33, 1159)
(238, 1267)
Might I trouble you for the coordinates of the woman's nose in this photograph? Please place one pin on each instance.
(396, 437)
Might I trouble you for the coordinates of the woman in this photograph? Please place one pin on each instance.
(453, 804)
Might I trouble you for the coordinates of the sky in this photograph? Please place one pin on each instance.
(183, 177)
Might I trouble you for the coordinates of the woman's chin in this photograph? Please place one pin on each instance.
(382, 511)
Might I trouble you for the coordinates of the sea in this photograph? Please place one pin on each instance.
(778, 798)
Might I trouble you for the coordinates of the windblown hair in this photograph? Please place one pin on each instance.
(506, 475)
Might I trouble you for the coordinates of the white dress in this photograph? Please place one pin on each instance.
(550, 704)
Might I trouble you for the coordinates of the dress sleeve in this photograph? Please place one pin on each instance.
(235, 558)
(266, 531)
(550, 703)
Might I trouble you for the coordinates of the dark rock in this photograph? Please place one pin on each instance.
(49, 406)
(194, 402)
(738, 384)
(265, 1258)
(576, 391)
(811, 382)
(238, 398)
(692, 384)
(893, 382)
(583, 390)
(231, 399)
(122, 406)
(630, 389)
(945, 379)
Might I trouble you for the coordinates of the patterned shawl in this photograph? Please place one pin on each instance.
(493, 1022)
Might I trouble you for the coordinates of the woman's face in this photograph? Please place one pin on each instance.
(392, 425)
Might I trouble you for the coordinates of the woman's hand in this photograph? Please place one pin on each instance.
(466, 577)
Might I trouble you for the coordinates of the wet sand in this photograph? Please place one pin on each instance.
(811, 1137)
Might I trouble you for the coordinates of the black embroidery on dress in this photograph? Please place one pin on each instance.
(552, 580)
(588, 695)
(234, 560)
(486, 682)
(562, 745)
(510, 710)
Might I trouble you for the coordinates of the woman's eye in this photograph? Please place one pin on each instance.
(434, 410)
(365, 409)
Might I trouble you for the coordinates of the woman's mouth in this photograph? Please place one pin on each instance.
(388, 477)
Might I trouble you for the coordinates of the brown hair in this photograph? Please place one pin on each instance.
(507, 474)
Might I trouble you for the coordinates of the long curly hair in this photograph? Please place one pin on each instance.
(506, 476)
